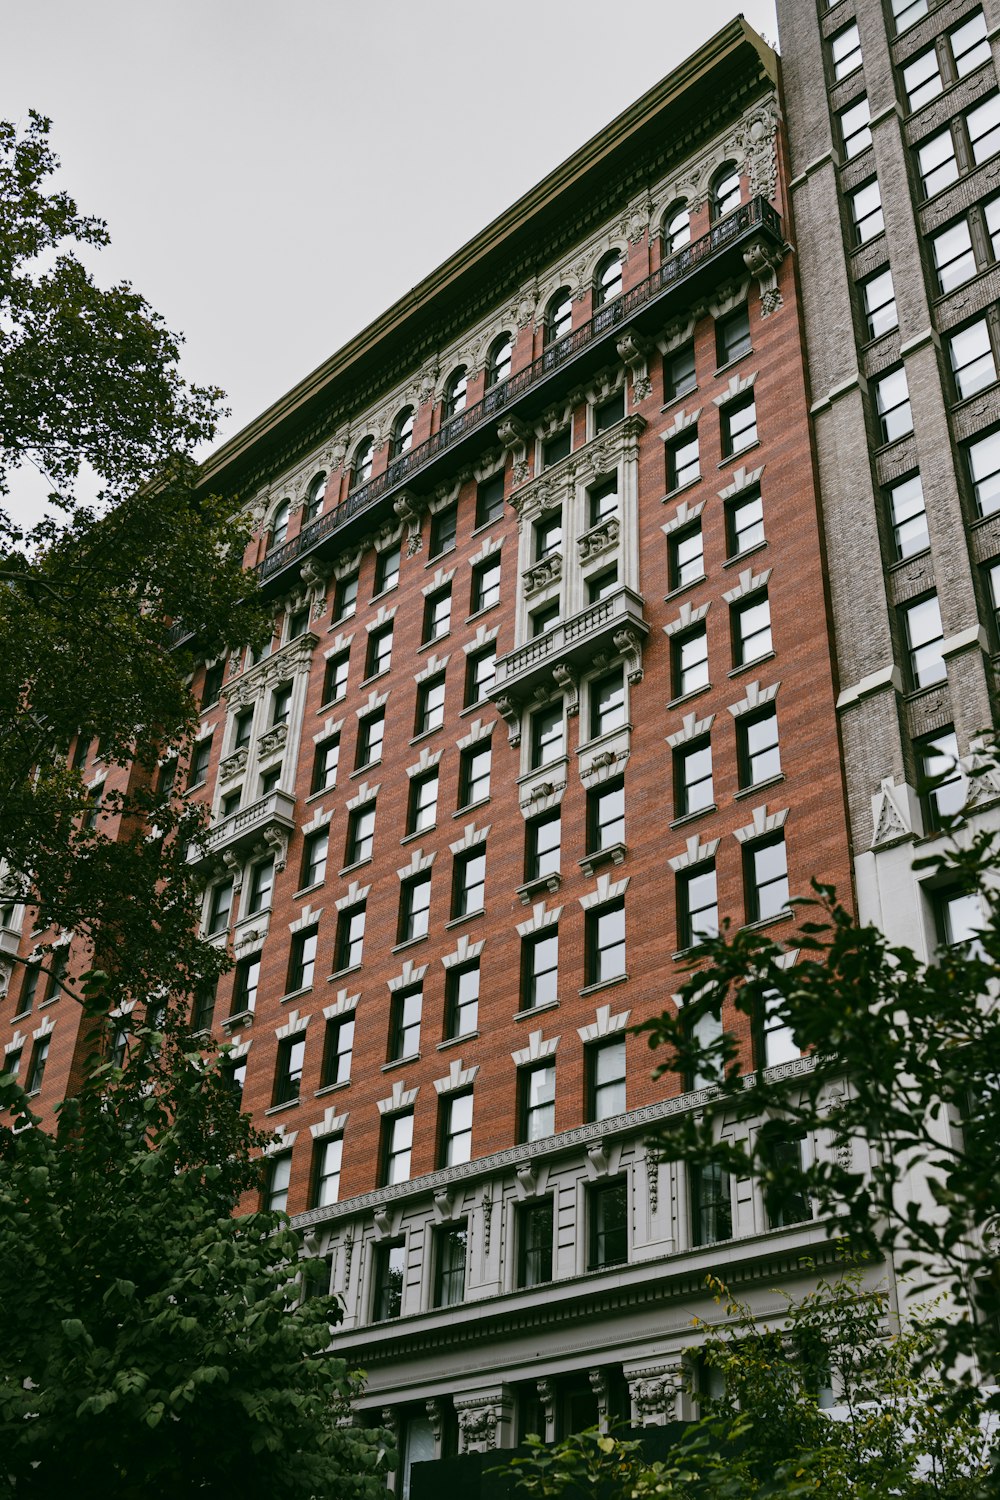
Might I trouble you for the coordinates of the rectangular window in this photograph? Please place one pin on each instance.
(437, 615)
(480, 674)
(327, 1158)
(991, 215)
(230, 803)
(468, 891)
(711, 1204)
(685, 556)
(984, 466)
(543, 619)
(607, 703)
(39, 1058)
(261, 885)
(203, 1009)
(907, 13)
(751, 630)
(542, 843)
(693, 787)
(450, 1241)
(605, 954)
(398, 1138)
(197, 772)
(757, 746)
(548, 535)
(489, 500)
(302, 959)
(242, 728)
(866, 212)
(732, 336)
(444, 530)
(765, 874)
(540, 969)
(777, 1042)
(879, 300)
(608, 1219)
(924, 635)
(785, 1200)
(422, 811)
(943, 785)
(609, 412)
(961, 919)
(601, 585)
(404, 1028)
(371, 733)
(462, 1001)
(335, 678)
(535, 1224)
(855, 127)
(547, 735)
(679, 375)
(314, 853)
(605, 816)
(537, 1088)
(744, 523)
(379, 652)
(845, 51)
(606, 1079)
(29, 989)
(991, 582)
(350, 937)
(338, 1047)
(970, 46)
(219, 907)
(922, 79)
(739, 426)
(937, 163)
(430, 705)
(892, 404)
(298, 623)
(456, 1129)
(288, 1071)
(983, 124)
(212, 684)
(345, 597)
(387, 569)
(281, 700)
(360, 834)
(245, 985)
(683, 465)
(389, 1270)
(12, 1062)
(971, 356)
(697, 905)
(474, 775)
(279, 1174)
(414, 909)
(486, 584)
(690, 661)
(908, 517)
(326, 759)
(557, 447)
(602, 501)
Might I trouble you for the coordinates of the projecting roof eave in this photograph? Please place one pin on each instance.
(719, 55)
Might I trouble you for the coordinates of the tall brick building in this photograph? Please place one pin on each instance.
(551, 694)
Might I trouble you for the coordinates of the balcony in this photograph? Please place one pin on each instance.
(270, 820)
(615, 625)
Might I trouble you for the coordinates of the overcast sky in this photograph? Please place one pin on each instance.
(273, 175)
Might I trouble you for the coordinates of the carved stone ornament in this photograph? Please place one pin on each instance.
(762, 261)
(487, 1217)
(435, 1409)
(407, 508)
(348, 1255)
(541, 574)
(513, 434)
(233, 764)
(652, 1175)
(654, 1398)
(630, 646)
(599, 539)
(519, 475)
(478, 1427)
(277, 841)
(890, 816)
(759, 144)
(634, 350)
(5, 974)
(235, 868)
(272, 739)
(511, 715)
(567, 684)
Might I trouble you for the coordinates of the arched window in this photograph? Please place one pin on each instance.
(279, 524)
(402, 432)
(608, 279)
(676, 228)
(456, 388)
(725, 190)
(361, 468)
(314, 497)
(559, 315)
(498, 363)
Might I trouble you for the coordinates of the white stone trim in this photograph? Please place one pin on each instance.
(284, 1140)
(490, 546)
(464, 953)
(419, 862)
(429, 760)
(457, 1078)
(320, 819)
(536, 1050)
(341, 644)
(763, 823)
(749, 583)
(685, 512)
(17, 1041)
(605, 1025)
(755, 697)
(401, 1098)
(354, 897)
(693, 727)
(433, 666)
(696, 853)
(364, 794)
(682, 421)
(539, 919)
(308, 918)
(736, 387)
(478, 731)
(374, 702)
(471, 838)
(384, 617)
(607, 890)
(409, 977)
(331, 1123)
(236, 1048)
(344, 1005)
(44, 1029)
(688, 616)
(121, 1011)
(542, 797)
(440, 580)
(484, 637)
(293, 1024)
(742, 479)
(330, 728)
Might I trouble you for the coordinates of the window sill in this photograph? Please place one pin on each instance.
(418, 833)
(477, 614)
(315, 796)
(331, 704)
(772, 921)
(537, 886)
(367, 681)
(603, 984)
(460, 812)
(453, 1041)
(490, 521)
(341, 973)
(237, 1019)
(738, 557)
(357, 865)
(363, 770)
(690, 952)
(615, 853)
(679, 396)
(434, 641)
(692, 817)
(534, 1010)
(681, 489)
(694, 693)
(472, 708)
(747, 665)
(425, 734)
(340, 620)
(682, 588)
(390, 588)
(305, 989)
(50, 1001)
(317, 885)
(399, 1062)
(721, 369)
(332, 1088)
(756, 787)
(445, 552)
(469, 916)
(276, 1109)
(409, 943)
(732, 457)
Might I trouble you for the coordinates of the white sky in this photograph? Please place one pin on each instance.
(274, 173)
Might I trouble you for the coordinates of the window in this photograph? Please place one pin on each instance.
(480, 674)
(608, 1217)
(379, 651)
(335, 678)
(971, 354)
(879, 300)
(197, 773)
(991, 215)
(922, 79)
(757, 746)
(325, 762)
(219, 907)
(269, 780)
(279, 525)
(943, 784)
(845, 51)
(486, 584)
(751, 630)
(606, 1079)
(245, 985)
(608, 279)
(462, 1001)
(732, 336)
(937, 163)
(676, 229)
(542, 840)
(924, 634)
(540, 969)
(404, 1026)
(607, 703)
(261, 883)
(541, 620)
(402, 433)
(489, 500)
(609, 412)
(398, 1137)
(679, 374)
(298, 623)
(697, 905)
(866, 212)
(954, 259)
(444, 530)
(422, 810)
(907, 13)
(302, 959)
(984, 466)
(314, 497)
(371, 733)
(281, 700)
(992, 587)
(548, 535)
(535, 1224)
(345, 597)
(12, 1062)
(605, 816)
(468, 891)
(785, 1202)
(855, 127)
(498, 361)
(279, 1173)
(739, 426)
(725, 190)
(387, 569)
(537, 1087)
(892, 403)
(474, 775)
(777, 1042)
(360, 834)
(547, 735)
(36, 1070)
(449, 1261)
(234, 1072)
(430, 705)
(437, 615)
(693, 789)
(960, 920)
(557, 447)
(314, 852)
(908, 517)
(970, 45)
(682, 461)
(29, 988)
(414, 909)
(745, 523)
(212, 684)
(711, 1204)
(559, 315)
(600, 585)
(288, 1072)
(605, 955)
(390, 1266)
(338, 1045)
(455, 392)
(690, 661)
(456, 1129)
(765, 872)
(602, 501)
(327, 1158)
(203, 1009)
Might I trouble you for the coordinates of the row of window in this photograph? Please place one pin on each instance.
(750, 638)
(968, 140)
(738, 421)
(952, 56)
